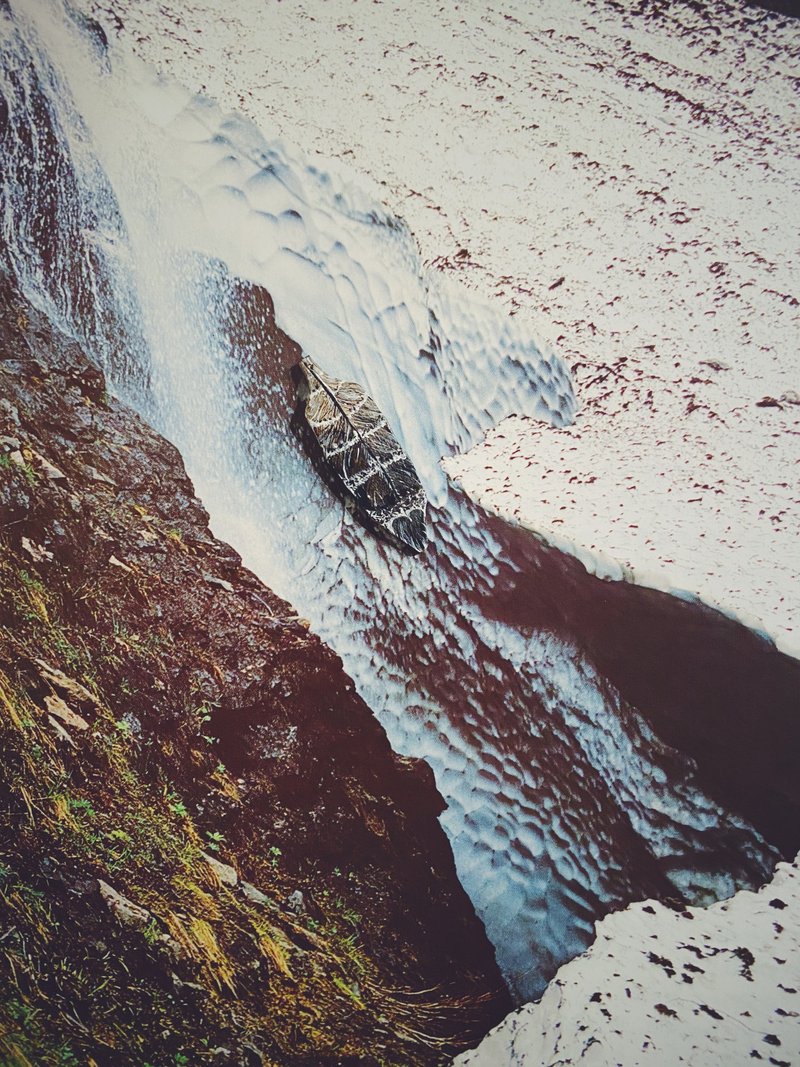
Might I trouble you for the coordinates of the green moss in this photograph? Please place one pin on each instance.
(30, 475)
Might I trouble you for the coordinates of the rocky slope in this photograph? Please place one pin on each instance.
(209, 852)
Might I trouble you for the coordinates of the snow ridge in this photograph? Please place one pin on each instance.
(716, 987)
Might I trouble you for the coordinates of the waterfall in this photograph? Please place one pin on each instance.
(196, 257)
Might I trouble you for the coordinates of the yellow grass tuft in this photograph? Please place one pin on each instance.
(207, 906)
(269, 943)
(200, 942)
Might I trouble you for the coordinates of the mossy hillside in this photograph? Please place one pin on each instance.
(79, 813)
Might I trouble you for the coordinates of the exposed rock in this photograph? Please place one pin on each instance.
(128, 913)
(62, 711)
(98, 476)
(226, 874)
(48, 469)
(256, 896)
(63, 682)
(37, 553)
(296, 903)
(60, 732)
(11, 414)
(114, 562)
(219, 581)
(138, 918)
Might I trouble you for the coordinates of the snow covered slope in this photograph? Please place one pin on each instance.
(627, 180)
(710, 987)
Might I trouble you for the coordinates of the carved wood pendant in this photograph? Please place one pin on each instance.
(364, 457)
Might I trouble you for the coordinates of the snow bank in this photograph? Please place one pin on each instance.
(626, 181)
(719, 986)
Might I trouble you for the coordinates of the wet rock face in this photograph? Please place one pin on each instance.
(709, 686)
(186, 743)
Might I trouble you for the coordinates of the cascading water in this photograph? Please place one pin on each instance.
(129, 210)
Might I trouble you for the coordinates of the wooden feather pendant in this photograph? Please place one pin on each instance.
(364, 456)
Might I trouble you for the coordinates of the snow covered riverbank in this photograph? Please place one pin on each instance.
(718, 987)
(628, 183)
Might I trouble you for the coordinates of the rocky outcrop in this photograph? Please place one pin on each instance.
(660, 986)
(210, 853)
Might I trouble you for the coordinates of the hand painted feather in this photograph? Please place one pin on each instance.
(365, 457)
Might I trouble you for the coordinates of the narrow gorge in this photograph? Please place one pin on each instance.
(208, 843)
(224, 762)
